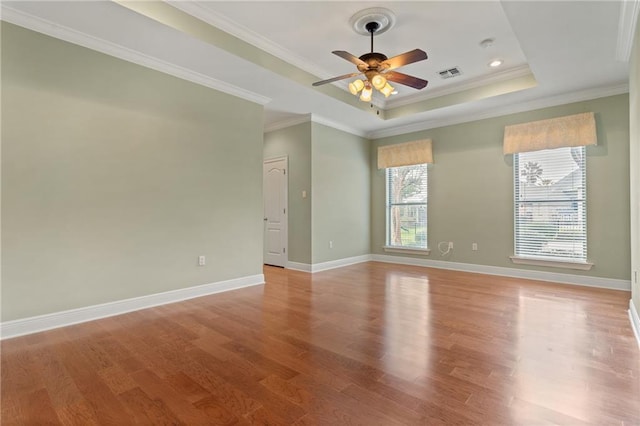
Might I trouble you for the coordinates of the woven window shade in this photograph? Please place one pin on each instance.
(405, 154)
(572, 130)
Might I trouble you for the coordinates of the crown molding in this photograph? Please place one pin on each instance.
(629, 10)
(566, 98)
(34, 23)
(314, 118)
(288, 122)
(496, 77)
(245, 34)
(338, 126)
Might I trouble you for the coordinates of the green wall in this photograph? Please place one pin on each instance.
(295, 143)
(333, 167)
(341, 194)
(471, 189)
(634, 114)
(115, 178)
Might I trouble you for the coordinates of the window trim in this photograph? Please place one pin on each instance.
(558, 262)
(404, 249)
(521, 260)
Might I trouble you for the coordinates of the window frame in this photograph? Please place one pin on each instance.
(389, 247)
(548, 259)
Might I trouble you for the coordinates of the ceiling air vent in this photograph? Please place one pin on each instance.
(451, 72)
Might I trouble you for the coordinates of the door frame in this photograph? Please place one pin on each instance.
(285, 229)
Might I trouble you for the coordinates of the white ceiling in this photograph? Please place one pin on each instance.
(563, 51)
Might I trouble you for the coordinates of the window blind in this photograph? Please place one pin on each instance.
(407, 206)
(550, 204)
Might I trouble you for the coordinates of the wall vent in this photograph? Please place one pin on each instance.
(450, 72)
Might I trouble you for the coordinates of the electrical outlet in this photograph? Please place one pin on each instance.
(474, 246)
(202, 260)
(330, 244)
(450, 244)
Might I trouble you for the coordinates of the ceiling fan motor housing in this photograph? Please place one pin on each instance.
(372, 60)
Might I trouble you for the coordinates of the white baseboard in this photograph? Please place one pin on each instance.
(610, 283)
(324, 266)
(304, 267)
(584, 280)
(332, 264)
(635, 320)
(36, 324)
(31, 325)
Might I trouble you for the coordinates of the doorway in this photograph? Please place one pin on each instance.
(275, 189)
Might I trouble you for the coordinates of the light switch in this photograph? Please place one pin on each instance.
(304, 194)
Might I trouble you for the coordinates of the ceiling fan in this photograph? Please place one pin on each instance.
(378, 70)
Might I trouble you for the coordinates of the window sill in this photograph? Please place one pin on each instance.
(406, 250)
(586, 266)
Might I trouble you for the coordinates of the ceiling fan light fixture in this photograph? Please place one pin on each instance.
(365, 96)
(356, 86)
(374, 65)
(378, 81)
(387, 90)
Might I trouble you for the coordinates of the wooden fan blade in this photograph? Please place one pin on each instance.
(407, 80)
(331, 80)
(404, 59)
(349, 57)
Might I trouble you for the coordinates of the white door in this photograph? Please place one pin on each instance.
(275, 211)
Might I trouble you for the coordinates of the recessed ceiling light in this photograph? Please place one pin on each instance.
(495, 63)
(395, 92)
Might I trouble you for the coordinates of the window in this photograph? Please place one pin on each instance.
(550, 205)
(407, 206)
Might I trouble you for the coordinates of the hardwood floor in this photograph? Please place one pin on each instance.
(369, 344)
